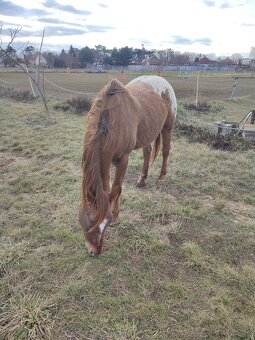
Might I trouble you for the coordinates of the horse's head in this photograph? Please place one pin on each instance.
(93, 230)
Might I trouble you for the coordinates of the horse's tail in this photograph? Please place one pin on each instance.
(156, 147)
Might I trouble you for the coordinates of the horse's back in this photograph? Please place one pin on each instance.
(158, 85)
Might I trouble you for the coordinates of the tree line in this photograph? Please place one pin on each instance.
(80, 58)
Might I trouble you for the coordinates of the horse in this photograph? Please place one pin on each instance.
(122, 118)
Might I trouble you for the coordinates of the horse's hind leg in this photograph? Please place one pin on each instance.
(146, 161)
(166, 146)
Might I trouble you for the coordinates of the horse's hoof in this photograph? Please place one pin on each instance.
(161, 178)
(114, 222)
(140, 184)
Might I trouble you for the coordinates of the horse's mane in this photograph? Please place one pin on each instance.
(97, 126)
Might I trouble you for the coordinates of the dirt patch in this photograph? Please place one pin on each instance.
(231, 142)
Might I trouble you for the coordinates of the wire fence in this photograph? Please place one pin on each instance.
(186, 89)
(69, 90)
(206, 87)
(11, 82)
(214, 126)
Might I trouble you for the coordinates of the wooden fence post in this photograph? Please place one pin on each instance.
(234, 87)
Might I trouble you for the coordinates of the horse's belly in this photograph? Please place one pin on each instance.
(147, 133)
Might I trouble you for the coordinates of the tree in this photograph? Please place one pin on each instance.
(122, 56)
(181, 58)
(59, 63)
(252, 52)
(50, 58)
(115, 58)
(28, 52)
(71, 50)
(125, 55)
(10, 54)
(236, 57)
(169, 55)
(29, 49)
(72, 59)
(162, 55)
(107, 59)
(100, 48)
(141, 53)
(86, 56)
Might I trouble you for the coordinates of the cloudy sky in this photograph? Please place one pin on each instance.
(223, 27)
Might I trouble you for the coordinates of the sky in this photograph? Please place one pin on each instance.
(220, 27)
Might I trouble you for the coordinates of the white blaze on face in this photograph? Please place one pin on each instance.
(103, 225)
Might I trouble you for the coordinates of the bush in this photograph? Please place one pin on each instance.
(62, 106)
(18, 95)
(78, 105)
(203, 106)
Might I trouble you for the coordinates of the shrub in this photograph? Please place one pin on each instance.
(78, 105)
(18, 95)
(203, 106)
(62, 106)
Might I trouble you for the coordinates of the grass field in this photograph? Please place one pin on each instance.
(213, 86)
(179, 266)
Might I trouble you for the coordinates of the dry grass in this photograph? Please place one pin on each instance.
(26, 317)
(179, 266)
(21, 95)
(211, 86)
(78, 105)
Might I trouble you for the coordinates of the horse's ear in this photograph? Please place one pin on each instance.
(115, 86)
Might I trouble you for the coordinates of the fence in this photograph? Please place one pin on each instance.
(192, 87)
(175, 68)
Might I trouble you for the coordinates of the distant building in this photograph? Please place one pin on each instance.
(204, 61)
(153, 60)
(227, 62)
(246, 61)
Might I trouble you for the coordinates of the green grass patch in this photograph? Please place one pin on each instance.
(180, 265)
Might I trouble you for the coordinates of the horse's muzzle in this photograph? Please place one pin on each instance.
(92, 249)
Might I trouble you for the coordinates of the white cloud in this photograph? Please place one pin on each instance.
(202, 26)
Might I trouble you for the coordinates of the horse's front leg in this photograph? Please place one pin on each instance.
(121, 167)
(146, 162)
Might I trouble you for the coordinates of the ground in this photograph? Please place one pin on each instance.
(180, 265)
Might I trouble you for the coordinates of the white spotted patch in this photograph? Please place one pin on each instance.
(103, 225)
(159, 85)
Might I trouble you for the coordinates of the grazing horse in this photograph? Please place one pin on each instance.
(122, 118)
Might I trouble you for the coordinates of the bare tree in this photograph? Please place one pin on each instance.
(252, 52)
(10, 55)
(236, 57)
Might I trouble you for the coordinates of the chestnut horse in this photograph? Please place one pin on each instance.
(122, 118)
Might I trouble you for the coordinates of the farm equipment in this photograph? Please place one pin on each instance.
(243, 127)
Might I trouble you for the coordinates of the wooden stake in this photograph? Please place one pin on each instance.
(197, 89)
